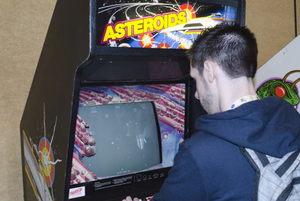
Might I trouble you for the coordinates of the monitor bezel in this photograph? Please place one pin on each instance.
(143, 188)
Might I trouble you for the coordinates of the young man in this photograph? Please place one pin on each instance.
(209, 165)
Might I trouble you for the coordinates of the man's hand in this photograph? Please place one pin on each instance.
(128, 198)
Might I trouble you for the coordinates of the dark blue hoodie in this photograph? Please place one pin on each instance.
(210, 166)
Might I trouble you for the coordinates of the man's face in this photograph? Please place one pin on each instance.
(203, 93)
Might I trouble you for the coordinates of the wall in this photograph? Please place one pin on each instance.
(23, 26)
(273, 24)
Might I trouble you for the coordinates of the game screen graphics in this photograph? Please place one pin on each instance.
(116, 121)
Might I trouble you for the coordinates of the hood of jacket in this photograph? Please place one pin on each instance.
(270, 125)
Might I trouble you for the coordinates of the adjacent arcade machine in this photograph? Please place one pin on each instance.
(280, 76)
(111, 98)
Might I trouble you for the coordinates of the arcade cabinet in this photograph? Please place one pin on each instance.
(112, 98)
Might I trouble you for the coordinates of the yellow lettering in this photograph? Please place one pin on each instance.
(144, 25)
(166, 21)
(158, 23)
(148, 25)
(182, 17)
(138, 27)
(129, 25)
(120, 31)
(172, 20)
(109, 34)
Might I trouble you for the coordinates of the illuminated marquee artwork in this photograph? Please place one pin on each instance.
(157, 24)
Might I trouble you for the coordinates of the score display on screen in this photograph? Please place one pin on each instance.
(127, 129)
(164, 24)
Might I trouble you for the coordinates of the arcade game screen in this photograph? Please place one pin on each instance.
(127, 129)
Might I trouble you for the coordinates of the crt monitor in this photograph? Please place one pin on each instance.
(127, 135)
(122, 138)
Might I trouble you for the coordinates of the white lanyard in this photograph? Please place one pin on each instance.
(243, 100)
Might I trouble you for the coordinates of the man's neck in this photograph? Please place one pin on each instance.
(235, 89)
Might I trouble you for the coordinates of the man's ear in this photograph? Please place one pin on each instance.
(209, 70)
